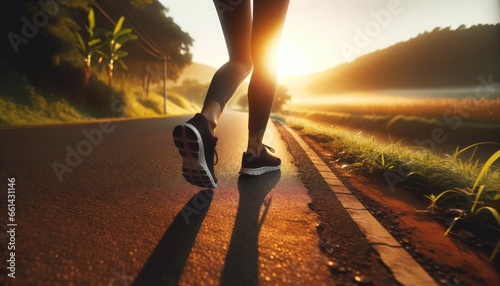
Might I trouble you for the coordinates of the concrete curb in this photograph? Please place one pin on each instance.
(405, 269)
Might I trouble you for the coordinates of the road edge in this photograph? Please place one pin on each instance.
(405, 268)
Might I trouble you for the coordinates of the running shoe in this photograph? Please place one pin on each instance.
(197, 147)
(252, 165)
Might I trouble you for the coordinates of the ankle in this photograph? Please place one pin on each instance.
(212, 123)
(255, 142)
(256, 151)
(212, 110)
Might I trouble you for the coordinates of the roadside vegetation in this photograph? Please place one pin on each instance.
(80, 63)
(457, 185)
(479, 118)
(478, 110)
(23, 104)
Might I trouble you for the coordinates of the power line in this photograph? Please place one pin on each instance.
(154, 50)
(155, 53)
(144, 36)
(139, 31)
(105, 14)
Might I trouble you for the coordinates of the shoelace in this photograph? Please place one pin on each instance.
(269, 148)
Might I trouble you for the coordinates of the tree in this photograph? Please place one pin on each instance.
(243, 101)
(282, 98)
(90, 47)
(51, 57)
(115, 40)
(159, 35)
(192, 90)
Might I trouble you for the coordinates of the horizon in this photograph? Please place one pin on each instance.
(298, 86)
(377, 25)
(292, 77)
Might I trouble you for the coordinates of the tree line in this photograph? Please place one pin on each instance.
(54, 44)
(440, 58)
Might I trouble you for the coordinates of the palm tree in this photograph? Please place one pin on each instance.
(90, 47)
(116, 39)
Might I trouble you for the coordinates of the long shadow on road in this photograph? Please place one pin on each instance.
(241, 265)
(166, 263)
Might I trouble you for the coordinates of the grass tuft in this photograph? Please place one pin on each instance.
(411, 167)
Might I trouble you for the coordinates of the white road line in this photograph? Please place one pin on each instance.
(405, 269)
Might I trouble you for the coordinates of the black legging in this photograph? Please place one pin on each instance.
(250, 43)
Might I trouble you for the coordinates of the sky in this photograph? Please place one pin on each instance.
(320, 34)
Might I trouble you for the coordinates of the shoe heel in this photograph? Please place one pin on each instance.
(178, 140)
(186, 141)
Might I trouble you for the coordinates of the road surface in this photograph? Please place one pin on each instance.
(106, 204)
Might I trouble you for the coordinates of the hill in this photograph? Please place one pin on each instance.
(195, 71)
(440, 58)
(194, 81)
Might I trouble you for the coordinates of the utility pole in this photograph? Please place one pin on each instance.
(165, 85)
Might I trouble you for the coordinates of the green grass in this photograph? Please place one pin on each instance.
(414, 168)
(473, 110)
(450, 181)
(22, 104)
(40, 110)
(462, 184)
(138, 105)
(412, 119)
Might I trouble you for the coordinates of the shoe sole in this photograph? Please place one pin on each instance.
(259, 171)
(194, 166)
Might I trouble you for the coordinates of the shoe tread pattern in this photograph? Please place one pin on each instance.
(193, 170)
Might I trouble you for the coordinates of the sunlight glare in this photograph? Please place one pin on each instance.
(292, 61)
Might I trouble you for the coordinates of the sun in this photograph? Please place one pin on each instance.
(292, 60)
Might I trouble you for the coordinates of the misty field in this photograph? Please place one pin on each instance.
(440, 124)
(481, 110)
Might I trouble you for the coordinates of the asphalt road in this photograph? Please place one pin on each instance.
(120, 213)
